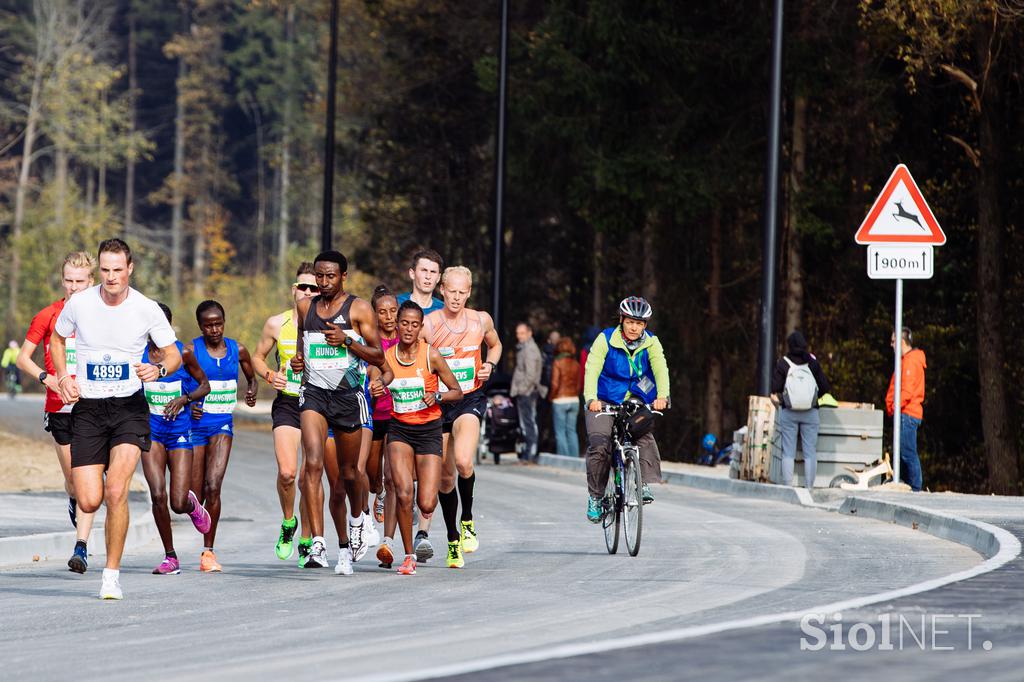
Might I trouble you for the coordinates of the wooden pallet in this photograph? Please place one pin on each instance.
(756, 455)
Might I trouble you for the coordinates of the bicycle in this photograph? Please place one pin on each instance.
(13, 386)
(624, 492)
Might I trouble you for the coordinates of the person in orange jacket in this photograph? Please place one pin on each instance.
(911, 407)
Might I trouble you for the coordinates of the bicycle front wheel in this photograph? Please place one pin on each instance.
(611, 518)
(633, 505)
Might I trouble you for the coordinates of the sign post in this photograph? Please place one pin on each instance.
(900, 231)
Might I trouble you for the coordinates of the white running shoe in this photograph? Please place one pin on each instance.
(111, 587)
(356, 541)
(371, 536)
(317, 554)
(344, 566)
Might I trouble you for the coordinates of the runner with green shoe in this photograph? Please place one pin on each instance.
(280, 331)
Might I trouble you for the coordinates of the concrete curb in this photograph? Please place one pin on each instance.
(28, 549)
(979, 536)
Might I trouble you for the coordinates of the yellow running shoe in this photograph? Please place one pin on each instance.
(455, 559)
(208, 562)
(469, 542)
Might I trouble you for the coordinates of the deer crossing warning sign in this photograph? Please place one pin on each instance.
(900, 215)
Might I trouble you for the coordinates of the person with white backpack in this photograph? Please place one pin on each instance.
(797, 383)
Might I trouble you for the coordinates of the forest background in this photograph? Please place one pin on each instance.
(194, 128)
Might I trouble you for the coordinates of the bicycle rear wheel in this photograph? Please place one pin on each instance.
(633, 505)
(611, 518)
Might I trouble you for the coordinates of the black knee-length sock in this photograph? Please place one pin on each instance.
(450, 510)
(466, 495)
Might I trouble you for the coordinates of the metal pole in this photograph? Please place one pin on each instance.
(499, 169)
(326, 226)
(771, 199)
(898, 388)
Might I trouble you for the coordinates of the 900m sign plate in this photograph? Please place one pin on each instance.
(903, 261)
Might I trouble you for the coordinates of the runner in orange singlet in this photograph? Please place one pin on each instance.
(411, 372)
(459, 334)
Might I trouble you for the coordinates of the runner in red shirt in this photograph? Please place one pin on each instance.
(76, 275)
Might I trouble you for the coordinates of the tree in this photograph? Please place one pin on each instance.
(964, 42)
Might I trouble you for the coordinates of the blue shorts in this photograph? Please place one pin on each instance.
(173, 435)
(203, 431)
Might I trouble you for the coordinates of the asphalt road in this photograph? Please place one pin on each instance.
(541, 578)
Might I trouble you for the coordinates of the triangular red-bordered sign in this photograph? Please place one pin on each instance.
(900, 215)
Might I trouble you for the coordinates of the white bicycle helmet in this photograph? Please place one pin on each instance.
(636, 307)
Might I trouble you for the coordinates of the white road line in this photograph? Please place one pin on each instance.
(1009, 549)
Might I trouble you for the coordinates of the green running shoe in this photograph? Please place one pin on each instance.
(470, 543)
(305, 546)
(285, 548)
(594, 510)
(455, 558)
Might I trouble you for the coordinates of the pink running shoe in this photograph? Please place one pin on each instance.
(200, 517)
(168, 566)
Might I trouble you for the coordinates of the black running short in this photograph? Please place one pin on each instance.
(284, 411)
(102, 423)
(59, 425)
(380, 428)
(425, 439)
(345, 409)
(474, 403)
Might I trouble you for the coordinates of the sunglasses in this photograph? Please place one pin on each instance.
(303, 286)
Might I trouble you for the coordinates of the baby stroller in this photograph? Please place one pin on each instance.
(499, 431)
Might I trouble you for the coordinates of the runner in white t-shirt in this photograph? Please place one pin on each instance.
(112, 324)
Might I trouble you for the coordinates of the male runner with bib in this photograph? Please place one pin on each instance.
(76, 275)
(281, 330)
(339, 335)
(458, 333)
(111, 323)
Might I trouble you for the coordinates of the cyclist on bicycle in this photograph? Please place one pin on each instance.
(624, 362)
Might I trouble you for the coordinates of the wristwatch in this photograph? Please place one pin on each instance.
(42, 377)
(163, 370)
(437, 397)
(348, 341)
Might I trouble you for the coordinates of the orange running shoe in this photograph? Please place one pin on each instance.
(385, 554)
(408, 566)
(208, 562)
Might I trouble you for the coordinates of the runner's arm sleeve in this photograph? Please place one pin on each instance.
(660, 367)
(595, 363)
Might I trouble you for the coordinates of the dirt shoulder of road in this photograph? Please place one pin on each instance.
(28, 465)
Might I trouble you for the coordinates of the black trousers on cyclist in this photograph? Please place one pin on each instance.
(599, 450)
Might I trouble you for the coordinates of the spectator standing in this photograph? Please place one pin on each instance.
(545, 420)
(526, 388)
(797, 382)
(565, 397)
(911, 407)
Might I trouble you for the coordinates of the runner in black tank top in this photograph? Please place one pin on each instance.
(337, 336)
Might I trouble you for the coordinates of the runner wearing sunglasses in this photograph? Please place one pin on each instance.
(280, 332)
